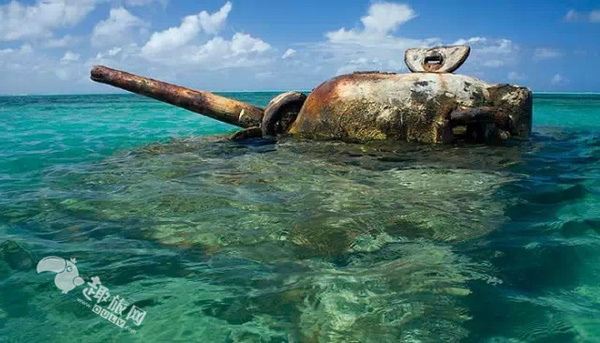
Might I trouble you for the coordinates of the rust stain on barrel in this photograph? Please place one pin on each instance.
(223, 109)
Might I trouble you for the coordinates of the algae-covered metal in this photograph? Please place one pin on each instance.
(429, 105)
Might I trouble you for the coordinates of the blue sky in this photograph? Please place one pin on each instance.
(49, 46)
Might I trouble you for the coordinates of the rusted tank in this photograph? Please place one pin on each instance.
(430, 104)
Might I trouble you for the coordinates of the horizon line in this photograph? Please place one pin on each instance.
(250, 91)
(131, 93)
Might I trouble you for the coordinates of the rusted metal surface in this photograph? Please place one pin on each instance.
(441, 59)
(484, 114)
(281, 112)
(249, 133)
(412, 107)
(217, 107)
(516, 105)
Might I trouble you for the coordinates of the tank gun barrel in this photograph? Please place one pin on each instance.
(217, 107)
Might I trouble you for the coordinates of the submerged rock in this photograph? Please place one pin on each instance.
(325, 198)
(15, 256)
(301, 240)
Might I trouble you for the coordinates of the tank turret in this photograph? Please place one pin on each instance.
(430, 104)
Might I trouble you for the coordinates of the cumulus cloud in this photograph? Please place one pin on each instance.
(212, 23)
(378, 43)
(217, 53)
(106, 54)
(288, 53)
(574, 16)
(373, 45)
(23, 59)
(125, 57)
(19, 21)
(70, 57)
(546, 53)
(173, 37)
(499, 47)
(67, 68)
(119, 28)
(243, 43)
(472, 40)
(33, 70)
(60, 42)
(381, 20)
(24, 49)
(214, 53)
(490, 53)
(191, 26)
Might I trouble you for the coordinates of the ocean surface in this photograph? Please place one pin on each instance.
(198, 239)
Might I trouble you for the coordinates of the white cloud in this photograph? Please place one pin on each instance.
(361, 63)
(382, 19)
(110, 53)
(242, 50)
(119, 28)
(21, 60)
(173, 37)
(556, 79)
(212, 23)
(500, 47)
(288, 53)
(18, 21)
(546, 53)
(490, 53)
(176, 37)
(114, 51)
(70, 57)
(24, 49)
(592, 16)
(126, 56)
(31, 70)
(472, 40)
(60, 42)
(372, 46)
(243, 43)
(378, 45)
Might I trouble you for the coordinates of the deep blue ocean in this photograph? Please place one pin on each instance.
(207, 240)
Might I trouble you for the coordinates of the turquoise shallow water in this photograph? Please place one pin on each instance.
(297, 241)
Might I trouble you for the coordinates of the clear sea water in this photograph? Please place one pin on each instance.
(296, 241)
